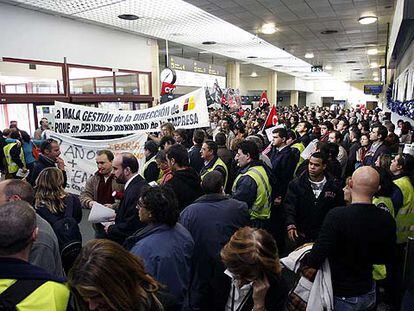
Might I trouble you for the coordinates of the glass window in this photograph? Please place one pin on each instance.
(143, 84)
(116, 105)
(126, 83)
(81, 86)
(26, 78)
(22, 113)
(90, 81)
(105, 85)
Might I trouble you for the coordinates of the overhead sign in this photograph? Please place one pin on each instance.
(318, 68)
(79, 155)
(373, 89)
(186, 112)
(195, 66)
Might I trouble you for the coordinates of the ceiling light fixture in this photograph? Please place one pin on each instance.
(209, 42)
(351, 62)
(128, 17)
(375, 74)
(376, 79)
(372, 51)
(366, 20)
(309, 55)
(268, 29)
(251, 57)
(328, 67)
(373, 65)
(342, 49)
(254, 74)
(329, 32)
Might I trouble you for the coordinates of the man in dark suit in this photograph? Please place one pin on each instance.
(378, 147)
(125, 168)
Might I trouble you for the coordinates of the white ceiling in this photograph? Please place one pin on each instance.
(233, 24)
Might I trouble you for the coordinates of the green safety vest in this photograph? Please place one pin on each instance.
(262, 204)
(152, 160)
(11, 165)
(379, 272)
(300, 146)
(218, 162)
(405, 216)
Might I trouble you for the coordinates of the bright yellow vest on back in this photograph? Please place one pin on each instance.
(51, 296)
(152, 160)
(218, 162)
(11, 165)
(405, 216)
(300, 146)
(262, 204)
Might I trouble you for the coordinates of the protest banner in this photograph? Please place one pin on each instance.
(79, 155)
(186, 112)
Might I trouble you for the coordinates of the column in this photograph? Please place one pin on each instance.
(233, 75)
(294, 98)
(272, 87)
(155, 72)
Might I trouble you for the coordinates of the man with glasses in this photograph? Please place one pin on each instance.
(49, 157)
(377, 137)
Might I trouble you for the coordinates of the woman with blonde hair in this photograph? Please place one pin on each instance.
(107, 277)
(254, 280)
(62, 210)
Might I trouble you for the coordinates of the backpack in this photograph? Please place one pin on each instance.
(68, 234)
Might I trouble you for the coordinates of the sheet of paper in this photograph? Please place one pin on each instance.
(311, 148)
(100, 213)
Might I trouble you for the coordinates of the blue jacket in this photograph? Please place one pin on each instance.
(211, 220)
(167, 253)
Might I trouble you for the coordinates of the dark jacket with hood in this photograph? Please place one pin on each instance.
(307, 212)
(167, 253)
(186, 185)
(39, 166)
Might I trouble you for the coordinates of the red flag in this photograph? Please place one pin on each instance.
(223, 100)
(271, 119)
(167, 88)
(264, 102)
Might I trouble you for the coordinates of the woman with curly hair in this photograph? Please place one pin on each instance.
(107, 277)
(253, 276)
(165, 245)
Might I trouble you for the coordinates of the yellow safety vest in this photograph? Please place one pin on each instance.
(152, 160)
(50, 296)
(300, 146)
(262, 204)
(11, 165)
(219, 162)
(405, 216)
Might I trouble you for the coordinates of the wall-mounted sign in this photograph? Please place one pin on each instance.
(372, 89)
(318, 68)
(179, 63)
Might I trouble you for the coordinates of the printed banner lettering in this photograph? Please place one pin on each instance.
(186, 112)
(79, 155)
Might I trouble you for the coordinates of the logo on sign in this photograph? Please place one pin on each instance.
(189, 104)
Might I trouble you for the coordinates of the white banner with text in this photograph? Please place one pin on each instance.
(79, 155)
(186, 112)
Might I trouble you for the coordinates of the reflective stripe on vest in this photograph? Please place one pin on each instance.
(384, 201)
(300, 146)
(262, 204)
(405, 216)
(218, 162)
(12, 167)
(152, 160)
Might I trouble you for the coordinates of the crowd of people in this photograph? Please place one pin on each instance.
(203, 224)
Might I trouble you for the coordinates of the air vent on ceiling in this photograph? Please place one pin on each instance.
(356, 69)
(329, 32)
(251, 57)
(209, 42)
(351, 62)
(342, 49)
(128, 17)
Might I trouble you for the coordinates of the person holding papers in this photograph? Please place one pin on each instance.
(100, 187)
(125, 168)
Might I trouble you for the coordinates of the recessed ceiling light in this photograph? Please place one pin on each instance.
(365, 20)
(251, 57)
(372, 51)
(309, 55)
(373, 65)
(328, 32)
(342, 49)
(351, 62)
(328, 67)
(128, 17)
(209, 42)
(254, 74)
(356, 69)
(376, 79)
(268, 29)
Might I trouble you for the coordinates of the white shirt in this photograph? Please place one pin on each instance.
(317, 186)
(129, 181)
(239, 293)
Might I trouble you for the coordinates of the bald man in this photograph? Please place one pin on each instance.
(354, 238)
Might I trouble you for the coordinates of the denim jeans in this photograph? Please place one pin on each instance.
(359, 303)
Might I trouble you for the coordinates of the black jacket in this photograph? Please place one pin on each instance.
(127, 220)
(305, 211)
(283, 166)
(350, 165)
(370, 159)
(275, 299)
(71, 201)
(152, 172)
(39, 166)
(196, 161)
(354, 238)
(305, 139)
(186, 185)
